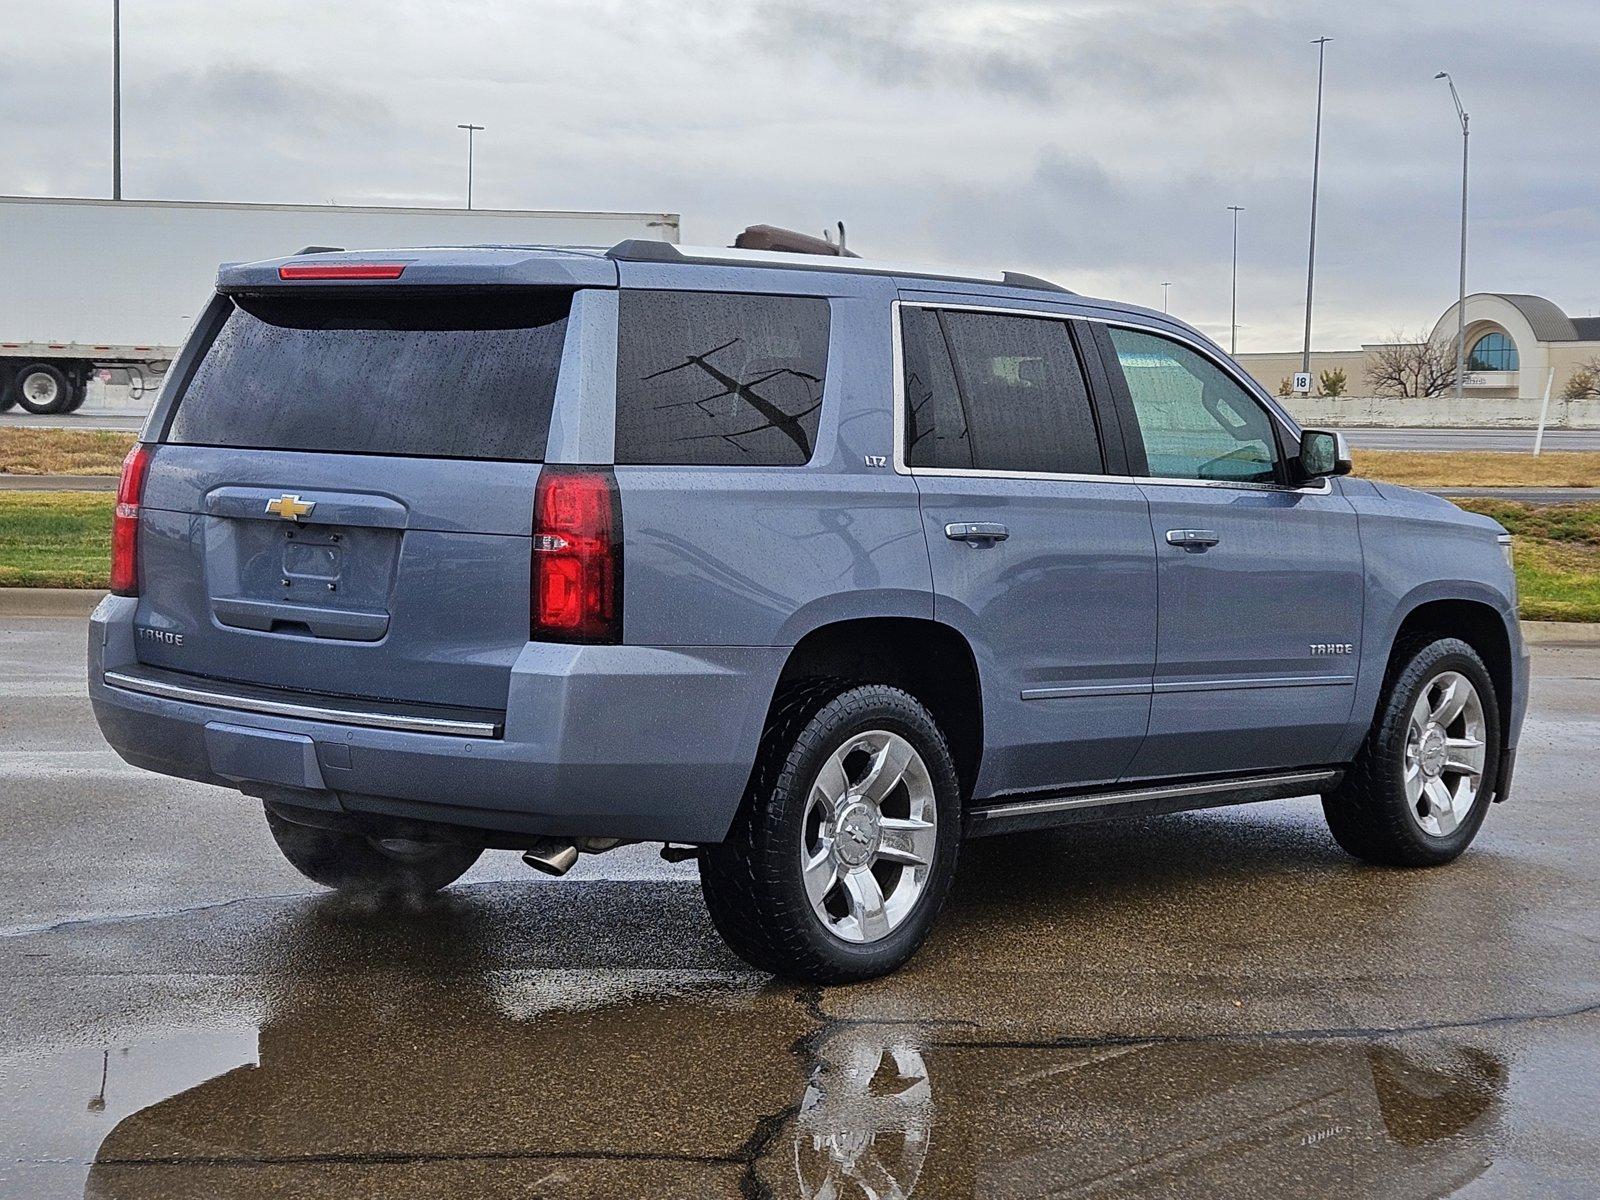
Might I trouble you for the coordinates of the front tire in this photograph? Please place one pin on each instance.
(382, 867)
(1422, 782)
(844, 850)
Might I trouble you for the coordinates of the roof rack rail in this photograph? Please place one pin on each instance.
(643, 250)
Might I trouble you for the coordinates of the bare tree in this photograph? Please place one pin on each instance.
(1585, 381)
(1412, 365)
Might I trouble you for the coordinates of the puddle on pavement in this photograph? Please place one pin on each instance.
(527, 1084)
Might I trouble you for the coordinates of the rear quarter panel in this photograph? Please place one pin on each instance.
(759, 556)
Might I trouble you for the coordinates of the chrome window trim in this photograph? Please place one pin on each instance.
(1323, 487)
(304, 712)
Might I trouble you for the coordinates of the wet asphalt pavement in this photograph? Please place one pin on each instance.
(1217, 1004)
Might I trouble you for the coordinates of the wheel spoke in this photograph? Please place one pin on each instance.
(904, 840)
(888, 767)
(1441, 805)
(832, 783)
(1465, 756)
(1454, 692)
(866, 904)
(821, 873)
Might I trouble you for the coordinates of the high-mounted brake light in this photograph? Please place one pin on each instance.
(577, 556)
(125, 522)
(341, 271)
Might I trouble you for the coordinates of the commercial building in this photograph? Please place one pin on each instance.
(1514, 343)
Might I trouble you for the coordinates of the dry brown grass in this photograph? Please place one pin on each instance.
(62, 451)
(1480, 468)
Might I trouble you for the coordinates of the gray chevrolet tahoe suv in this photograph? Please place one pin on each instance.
(807, 567)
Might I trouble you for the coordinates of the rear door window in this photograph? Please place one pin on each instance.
(438, 376)
(1196, 421)
(936, 422)
(719, 378)
(1021, 389)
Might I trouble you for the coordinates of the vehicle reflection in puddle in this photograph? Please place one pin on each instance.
(675, 1097)
(400, 1061)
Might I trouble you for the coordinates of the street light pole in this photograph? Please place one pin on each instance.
(471, 129)
(1321, 44)
(1233, 337)
(1164, 288)
(1461, 292)
(116, 99)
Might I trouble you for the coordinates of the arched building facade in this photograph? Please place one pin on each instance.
(1514, 343)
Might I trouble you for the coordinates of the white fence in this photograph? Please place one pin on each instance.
(1446, 412)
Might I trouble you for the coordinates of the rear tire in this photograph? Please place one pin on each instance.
(845, 846)
(355, 863)
(42, 389)
(1423, 780)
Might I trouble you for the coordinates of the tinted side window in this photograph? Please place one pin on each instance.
(1026, 401)
(1197, 423)
(719, 379)
(936, 426)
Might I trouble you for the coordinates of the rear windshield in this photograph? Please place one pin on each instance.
(447, 376)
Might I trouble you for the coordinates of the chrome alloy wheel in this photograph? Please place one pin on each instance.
(1445, 753)
(869, 836)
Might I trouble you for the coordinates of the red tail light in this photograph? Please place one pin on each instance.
(342, 271)
(577, 556)
(125, 523)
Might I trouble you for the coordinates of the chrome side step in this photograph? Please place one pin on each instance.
(1041, 812)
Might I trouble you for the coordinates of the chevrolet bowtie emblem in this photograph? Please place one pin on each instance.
(290, 508)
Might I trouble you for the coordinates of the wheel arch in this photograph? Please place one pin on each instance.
(927, 658)
(1474, 621)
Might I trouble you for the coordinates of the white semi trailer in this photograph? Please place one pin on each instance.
(108, 286)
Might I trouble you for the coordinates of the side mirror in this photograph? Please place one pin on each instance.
(1324, 453)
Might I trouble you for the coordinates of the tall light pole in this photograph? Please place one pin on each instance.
(1321, 44)
(471, 129)
(116, 99)
(1164, 288)
(1233, 337)
(1461, 294)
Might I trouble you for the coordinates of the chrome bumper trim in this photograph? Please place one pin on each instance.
(302, 712)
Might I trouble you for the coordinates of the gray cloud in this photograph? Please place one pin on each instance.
(1097, 141)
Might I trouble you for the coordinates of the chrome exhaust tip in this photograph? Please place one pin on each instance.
(553, 856)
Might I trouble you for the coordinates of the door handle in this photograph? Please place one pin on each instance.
(976, 533)
(1192, 539)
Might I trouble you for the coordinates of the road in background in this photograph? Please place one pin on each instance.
(1208, 1004)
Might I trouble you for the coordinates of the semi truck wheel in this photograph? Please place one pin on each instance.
(8, 389)
(80, 393)
(42, 389)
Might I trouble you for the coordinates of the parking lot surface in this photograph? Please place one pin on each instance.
(1216, 1004)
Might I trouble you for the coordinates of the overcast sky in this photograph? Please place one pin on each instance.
(1096, 143)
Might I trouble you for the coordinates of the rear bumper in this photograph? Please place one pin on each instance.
(603, 741)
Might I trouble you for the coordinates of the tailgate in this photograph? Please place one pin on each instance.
(342, 504)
